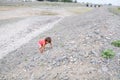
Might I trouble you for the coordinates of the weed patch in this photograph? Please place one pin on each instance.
(108, 53)
(116, 43)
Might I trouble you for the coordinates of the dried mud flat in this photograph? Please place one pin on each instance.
(78, 41)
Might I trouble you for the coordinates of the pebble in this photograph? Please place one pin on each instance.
(118, 55)
(93, 61)
(99, 71)
(49, 67)
(32, 77)
(63, 77)
(104, 68)
(97, 32)
(72, 59)
(94, 53)
(54, 63)
(108, 38)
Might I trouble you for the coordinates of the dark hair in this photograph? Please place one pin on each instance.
(48, 39)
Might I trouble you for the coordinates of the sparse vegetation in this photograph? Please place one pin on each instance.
(108, 53)
(48, 13)
(79, 10)
(115, 10)
(119, 8)
(116, 43)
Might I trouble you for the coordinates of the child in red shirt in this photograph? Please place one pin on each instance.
(43, 42)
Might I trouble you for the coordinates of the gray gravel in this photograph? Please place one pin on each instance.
(76, 53)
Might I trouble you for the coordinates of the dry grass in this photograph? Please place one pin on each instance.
(6, 8)
(79, 10)
(115, 10)
(41, 9)
(48, 13)
(41, 13)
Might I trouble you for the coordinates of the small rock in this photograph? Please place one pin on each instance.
(118, 61)
(108, 38)
(59, 38)
(32, 77)
(86, 55)
(94, 53)
(50, 68)
(93, 61)
(54, 62)
(97, 31)
(72, 42)
(55, 76)
(104, 68)
(58, 64)
(90, 35)
(73, 59)
(118, 55)
(87, 38)
(99, 71)
(118, 76)
(64, 77)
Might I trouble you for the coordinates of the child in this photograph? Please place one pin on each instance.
(43, 42)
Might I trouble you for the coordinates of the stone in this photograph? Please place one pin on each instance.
(32, 76)
(72, 42)
(97, 31)
(118, 55)
(73, 59)
(55, 76)
(94, 52)
(108, 38)
(99, 70)
(58, 64)
(54, 62)
(104, 68)
(63, 77)
(49, 68)
(93, 61)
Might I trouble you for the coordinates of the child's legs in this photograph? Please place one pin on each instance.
(40, 47)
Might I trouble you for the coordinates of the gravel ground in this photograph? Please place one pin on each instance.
(76, 53)
(15, 34)
(21, 24)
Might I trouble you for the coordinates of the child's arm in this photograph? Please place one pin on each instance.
(42, 49)
(51, 45)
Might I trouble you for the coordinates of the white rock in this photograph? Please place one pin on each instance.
(104, 68)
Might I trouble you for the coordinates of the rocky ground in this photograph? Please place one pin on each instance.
(19, 24)
(76, 54)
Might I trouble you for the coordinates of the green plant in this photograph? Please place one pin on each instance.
(119, 8)
(116, 43)
(108, 53)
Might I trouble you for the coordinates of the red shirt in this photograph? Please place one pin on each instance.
(41, 42)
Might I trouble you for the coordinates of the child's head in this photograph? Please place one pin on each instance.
(48, 40)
